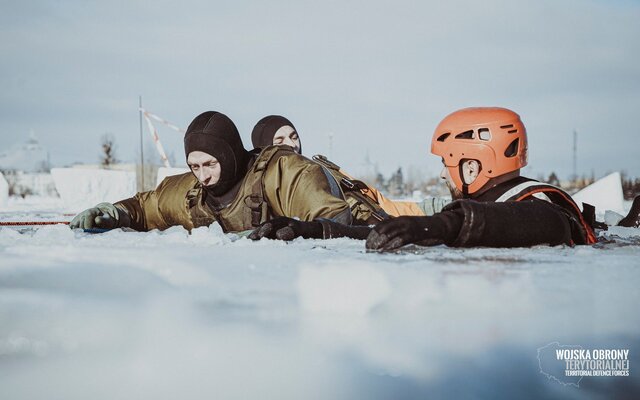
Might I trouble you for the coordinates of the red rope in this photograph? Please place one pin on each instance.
(26, 223)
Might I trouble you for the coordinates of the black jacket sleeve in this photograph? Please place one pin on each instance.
(332, 230)
(509, 224)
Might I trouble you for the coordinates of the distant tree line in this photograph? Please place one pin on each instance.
(630, 186)
(398, 185)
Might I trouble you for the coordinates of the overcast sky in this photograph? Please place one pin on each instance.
(378, 75)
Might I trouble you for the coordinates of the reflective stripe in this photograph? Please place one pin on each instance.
(542, 196)
(516, 190)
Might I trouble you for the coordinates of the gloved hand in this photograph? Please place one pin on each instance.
(428, 231)
(103, 216)
(285, 228)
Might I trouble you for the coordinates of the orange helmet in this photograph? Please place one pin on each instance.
(496, 137)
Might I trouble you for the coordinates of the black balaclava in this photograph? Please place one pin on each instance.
(215, 134)
(264, 131)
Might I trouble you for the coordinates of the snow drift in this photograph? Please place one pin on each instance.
(4, 191)
(604, 194)
(83, 188)
(163, 172)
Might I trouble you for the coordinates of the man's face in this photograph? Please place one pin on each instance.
(455, 192)
(470, 171)
(205, 167)
(287, 135)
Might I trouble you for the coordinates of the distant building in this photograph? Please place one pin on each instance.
(27, 157)
(26, 168)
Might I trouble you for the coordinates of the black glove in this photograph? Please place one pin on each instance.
(285, 228)
(397, 232)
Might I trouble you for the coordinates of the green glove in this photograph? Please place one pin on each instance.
(103, 216)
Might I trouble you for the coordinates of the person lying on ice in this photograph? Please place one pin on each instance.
(483, 150)
(278, 130)
(237, 188)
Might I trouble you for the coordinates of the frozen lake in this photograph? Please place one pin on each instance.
(176, 316)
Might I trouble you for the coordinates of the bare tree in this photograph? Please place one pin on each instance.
(108, 156)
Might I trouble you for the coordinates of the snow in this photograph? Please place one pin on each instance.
(612, 217)
(80, 188)
(4, 191)
(29, 156)
(163, 172)
(604, 194)
(168, 315)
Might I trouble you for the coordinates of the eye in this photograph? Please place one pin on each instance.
(193, 167)
(294, 136)
(277, 140)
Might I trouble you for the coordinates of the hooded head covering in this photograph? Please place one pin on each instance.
(264, 131)
(214, 133)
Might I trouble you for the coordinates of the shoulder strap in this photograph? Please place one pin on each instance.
(362, 206)
(257, 208)
(517, 191)
(333, 183)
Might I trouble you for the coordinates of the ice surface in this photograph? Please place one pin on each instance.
(604, 194)
(168, 315)
(83, 188)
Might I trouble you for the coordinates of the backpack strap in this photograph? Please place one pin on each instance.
(333, 183)
(257, 207)
(363, 208)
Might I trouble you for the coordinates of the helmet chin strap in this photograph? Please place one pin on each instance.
(465, 186)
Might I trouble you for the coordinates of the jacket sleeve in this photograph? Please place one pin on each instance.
(509, 224)
(391, 207)
(395, 208)
(433, 205)
(161, 208)
(298, 188)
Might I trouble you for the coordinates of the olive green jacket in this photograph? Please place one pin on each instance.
(292, 186)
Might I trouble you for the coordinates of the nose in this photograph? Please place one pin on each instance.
(289, 142)
(203, 176)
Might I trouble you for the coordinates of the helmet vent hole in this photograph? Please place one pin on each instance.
(465, 135)
(506, 126)
(484, 134)
(512, 150)
(443, 137)
(513, 131)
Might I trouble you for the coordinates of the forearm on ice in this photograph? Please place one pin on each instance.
(510, 224)
(332, 230)
(134, 211)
